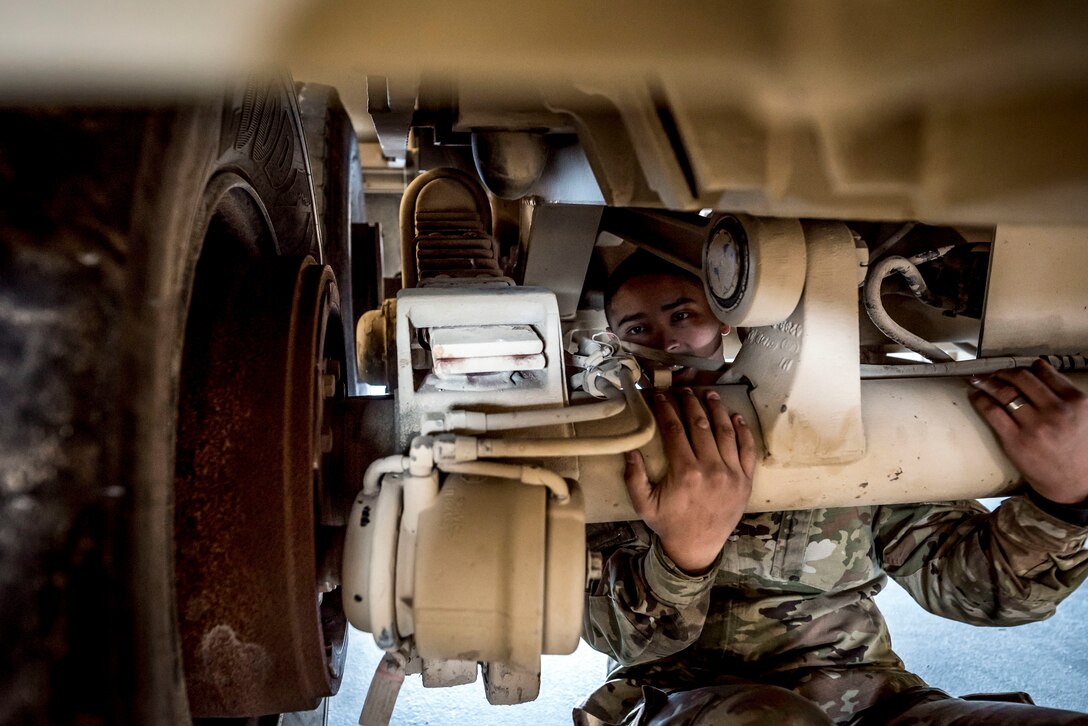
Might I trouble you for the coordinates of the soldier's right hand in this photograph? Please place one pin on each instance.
(711, 462)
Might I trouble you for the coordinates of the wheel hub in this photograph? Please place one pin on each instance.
(261, 630)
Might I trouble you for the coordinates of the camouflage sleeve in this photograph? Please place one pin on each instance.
(644, 607)
(1009, 566)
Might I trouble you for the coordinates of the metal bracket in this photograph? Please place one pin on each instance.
(1036, 297)
(805, 370)
(561, 239)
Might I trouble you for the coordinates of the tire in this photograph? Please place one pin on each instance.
(104, 219)
(338, 188)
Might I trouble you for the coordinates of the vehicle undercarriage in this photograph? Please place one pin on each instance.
(278, 356)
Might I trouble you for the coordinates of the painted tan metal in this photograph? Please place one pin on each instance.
(479, 588)
(805, 369)
(485, 570)
(419, 493)
(564, 574)
(841, 109)
(389, 103)
(655, 151)
(559, 240)
(508, 686)
(963, 158)
(605, 143)
(474, 341)
(356, 569)
(446, 673)
(433, 307)
(983, 46)
(774, 276)
(925, 444)
(969, 112)
(1036, 296)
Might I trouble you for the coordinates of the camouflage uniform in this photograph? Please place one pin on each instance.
(790, 601)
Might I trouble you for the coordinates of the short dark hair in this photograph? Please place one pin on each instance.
(641, 263)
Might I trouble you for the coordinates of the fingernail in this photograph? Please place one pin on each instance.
(686, 390)
(741, 421)
(659, 396)
(974, 380)
(713, 396)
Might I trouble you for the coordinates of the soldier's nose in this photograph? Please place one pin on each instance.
(656, 341)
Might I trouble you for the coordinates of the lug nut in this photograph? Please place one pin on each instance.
(328, 385)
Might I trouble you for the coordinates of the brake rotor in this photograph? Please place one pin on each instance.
(262, 360)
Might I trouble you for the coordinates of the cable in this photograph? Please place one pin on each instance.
(874, 306)
(977, 367)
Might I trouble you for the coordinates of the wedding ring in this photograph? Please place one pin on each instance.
(1015, 403)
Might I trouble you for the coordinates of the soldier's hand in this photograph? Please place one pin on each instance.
(711, 461)
(1041, 421)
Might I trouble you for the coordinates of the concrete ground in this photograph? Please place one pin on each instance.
(1049, 660)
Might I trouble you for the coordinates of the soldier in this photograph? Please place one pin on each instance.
(721, 617)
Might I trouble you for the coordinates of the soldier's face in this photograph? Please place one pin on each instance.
(670, 314)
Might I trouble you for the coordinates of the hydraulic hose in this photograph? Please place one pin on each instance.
(587, 446)
(475, 422)
(388, 465)
(875, 307)
(977, 367)
(525, 474)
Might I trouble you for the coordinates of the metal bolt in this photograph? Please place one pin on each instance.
(328, 385)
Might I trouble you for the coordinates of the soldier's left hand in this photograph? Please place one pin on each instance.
(1041, 421)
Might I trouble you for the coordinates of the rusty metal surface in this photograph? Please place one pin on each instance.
(375, 345)
(364, 433)
(257, 638)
